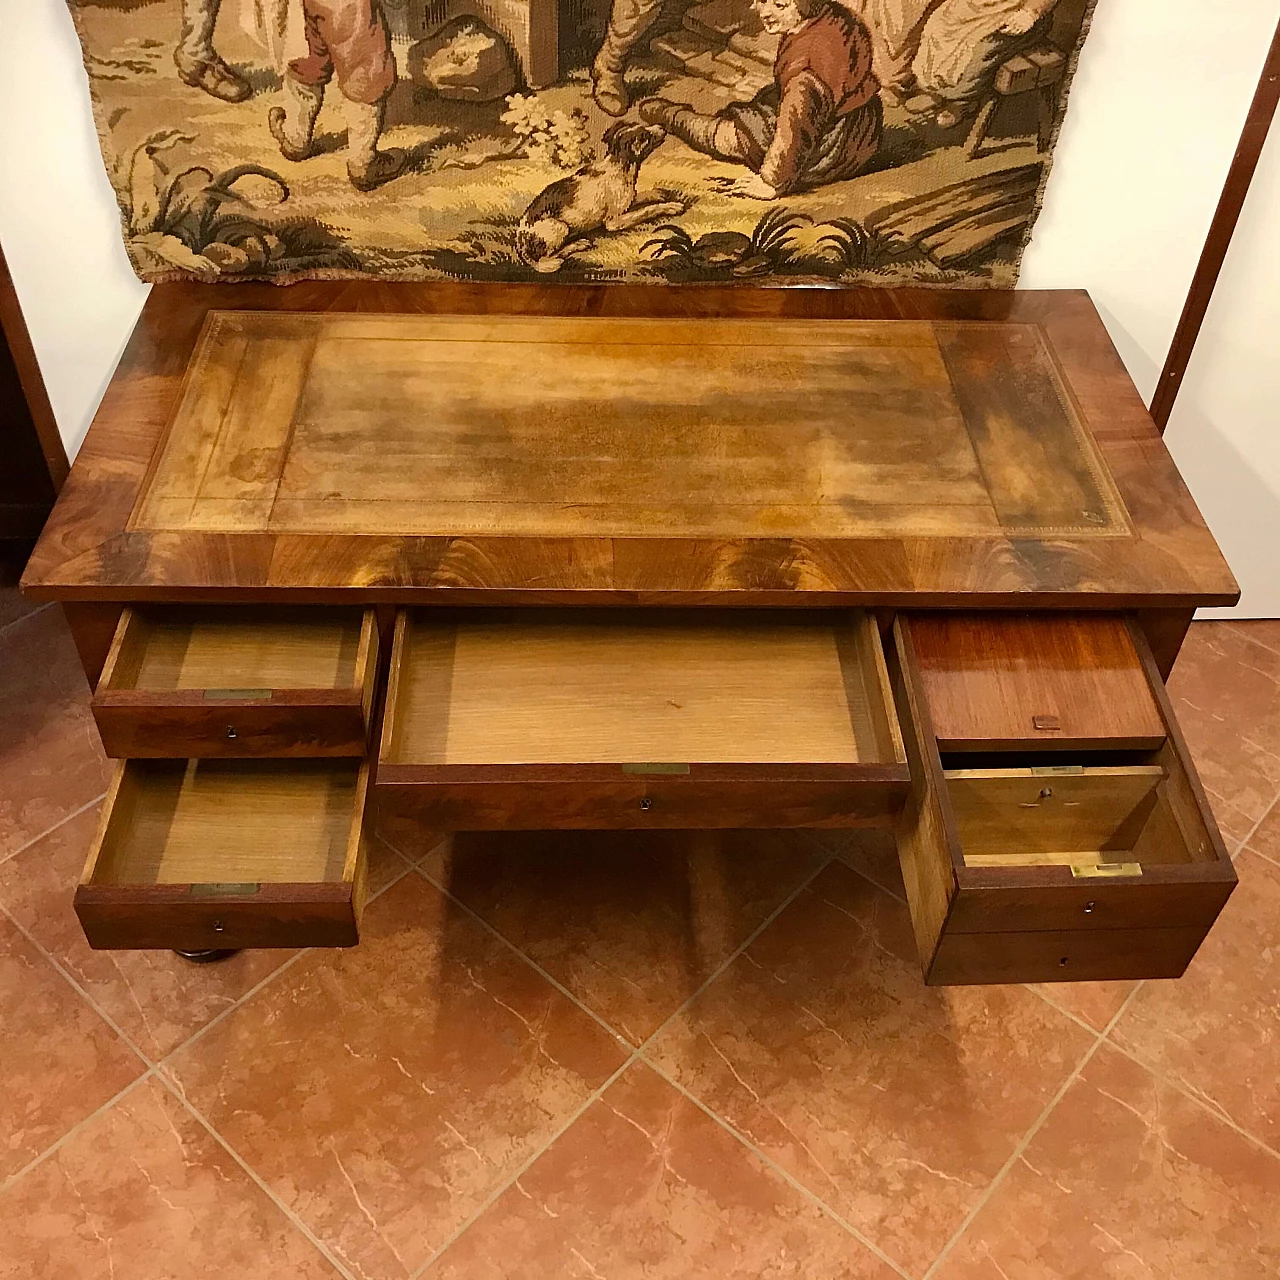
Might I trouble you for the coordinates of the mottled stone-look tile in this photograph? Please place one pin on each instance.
(155, 997)
(632, 922)
(14, 605)
(1128, 1180)
(646, 1186)
(1093, 1002)
(1266, 839)
(874, 853)
(1226, 692)
(384, 1092)
(51, 761)
(59, 1061)
(144, 1192)
(1217, 1028)
(894, 1102)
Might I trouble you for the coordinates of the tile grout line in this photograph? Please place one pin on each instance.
(200, 1032)
(1025, 1141)
(1203, 1102)
(40, 608)
(175, 1091)
(54, 1147)
(1238, 625)
(500, 1190)
(1253, 831)
(787, 1177)
(634, 1056)
(154, 1066)
(62, 822)
(128, 1040)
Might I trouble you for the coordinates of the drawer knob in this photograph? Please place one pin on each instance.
(1088, 908)
(646, 803)
(231, 731)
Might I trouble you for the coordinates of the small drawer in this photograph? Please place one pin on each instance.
(232, 682)
(1034, 682)
(557, 719)
(201, 854)
(1040, 868)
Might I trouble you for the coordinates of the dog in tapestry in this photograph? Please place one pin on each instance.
(599, 196)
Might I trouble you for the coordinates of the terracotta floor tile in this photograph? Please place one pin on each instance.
(894, 1102)
(1128, 1180)
(646, 1186)
(631, 922)
(14, 605)
(1093, 1002)
(51, 761)
(874, 854)
(157, 998)
(1264, 631)
(1226, 691)
(1266, 839)
(1217, 1028)
(385, 1091)
(143, 1192)
(59, 1061)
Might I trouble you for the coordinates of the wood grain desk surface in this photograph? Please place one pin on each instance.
(512, 444)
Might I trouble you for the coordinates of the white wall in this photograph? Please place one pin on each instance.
(58, 220)
(1156, 112)
(1225, 429)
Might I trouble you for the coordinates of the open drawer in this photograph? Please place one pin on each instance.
(231, 682)
(556, 719)
(201, 854)
(1054, 866)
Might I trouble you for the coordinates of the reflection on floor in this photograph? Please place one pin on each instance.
(627, 1056)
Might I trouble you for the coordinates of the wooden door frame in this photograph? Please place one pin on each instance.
(28, 430)
(1253, 138)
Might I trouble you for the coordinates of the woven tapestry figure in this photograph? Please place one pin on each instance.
(879, 142)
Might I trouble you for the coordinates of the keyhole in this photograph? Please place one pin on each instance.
(1062, 963)
(231, 731)
(1046, 793)
(217, 926)
(646, 803)
(1088, 908)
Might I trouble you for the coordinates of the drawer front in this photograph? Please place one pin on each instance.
(539, 719)
(231, 728)
(178, 919)
(1113, 864)
(1034, 682)
(1063, 956)
(983, 904)
(238, 683)
(200, 854)
(648, 804)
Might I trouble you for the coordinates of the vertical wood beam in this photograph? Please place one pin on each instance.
(1254, 136)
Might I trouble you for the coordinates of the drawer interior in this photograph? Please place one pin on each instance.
(237, 651)
(1100, 821)
(583, 687)
(230, 823)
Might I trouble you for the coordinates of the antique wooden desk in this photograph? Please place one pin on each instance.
(624, 557)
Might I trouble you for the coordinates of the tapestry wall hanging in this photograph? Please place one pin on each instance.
(769, 141)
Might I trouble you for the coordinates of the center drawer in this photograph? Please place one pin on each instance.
(557, 719)
(1054, 865)
(234, 682)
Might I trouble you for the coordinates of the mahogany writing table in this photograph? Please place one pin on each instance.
(640, 557)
